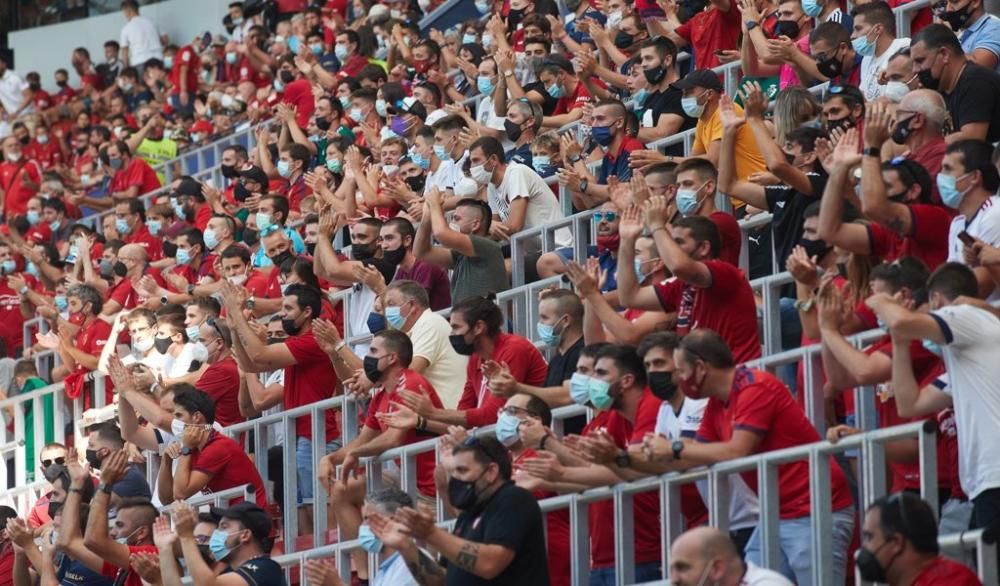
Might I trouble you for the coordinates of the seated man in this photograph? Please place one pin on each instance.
(606, 249)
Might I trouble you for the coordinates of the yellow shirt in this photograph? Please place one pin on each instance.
(748, 157)
(156, 152)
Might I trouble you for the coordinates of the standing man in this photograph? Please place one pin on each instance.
(140, 39)
(16, 96)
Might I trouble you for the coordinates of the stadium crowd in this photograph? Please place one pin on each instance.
(393, 166)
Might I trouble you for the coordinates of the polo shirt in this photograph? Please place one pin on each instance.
(617, 164)
(432, 278)
(710, 31)
(526, 366)
(446, 370)
(228, 466)
(311, 379)
(221, 381)
(982, 34)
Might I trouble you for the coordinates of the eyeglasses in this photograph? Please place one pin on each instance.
(514, 411)
(605, 216)
(61, 461)
(215, 325)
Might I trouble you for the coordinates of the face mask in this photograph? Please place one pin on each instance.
(541, 163)
(121, 226)
(547, 333)
(105, 267)
(483, 6)
(394, 316)
(335, 166)
(485, 85)
(32, 269)
(287, 77)
(368, 541)
(387, 133)
(958, 19)
(506, 429)
(141, 346)
(356, 114)
(381, 108)
(93, 459)
(341, 51)
(895, 90)
(463, 494)
(863, 46)
(316, 48)
(168, 62)
(177, 427)
(441, 153)
(602, 135)
(691, 389)
(641, 96)
(62, 304)
(832, 66)
(263, 221)
(902, 131)
(687, 201)
(614, 19)
(372, 370)
(124, 540)
(376, 322)
(280, 258)
(237, 280)
(54, 225)
(154, 227)
(192, 332)
(362, 251)
(812, 8)
(183, 256)
(345, 102)
(115, 164)
(179, 210)
(8, 266)
(639, 275)
(815, 248)
(285, 169)
(399, 126)
(691, 107)
(463, 347)
(599, 392)
(162, 344)
(932, 347)
(868, 565)
(291, 328)
(217, 545)
(468, 39)
(480, 174)
(662, 385)
(556, 91)
(250, 237)
(13, 157)
(119, 269)
(623, 40)
(950, 195)
(231, 58)
(211, 240)
(42, 138)
(512, 129)
(579, 388)
(786, 28)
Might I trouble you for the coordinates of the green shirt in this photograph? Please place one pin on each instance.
(48, 415)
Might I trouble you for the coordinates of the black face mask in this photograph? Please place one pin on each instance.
(623, 40)
(461, 346)
(54, 509)
(120, 269)
(394, 257)
(287, 77)
(662, 385)
(250, 237)
(655, 75)
(371, 369)
(311, 248)
(93, 459)
(162, 344)
(288, 324)
(169, 249)
(869, 567)
(512, 129)
(416, 183)
(902, 131)
(958, 19)
(206, 554)
(832, 66)
(240, 192)
(279, 259)
(35, 86)
(229, 171)
(927, 79)
(843, 124)
(25, 139)
(362, 251)
(462, 494)
(62, 82)
(787, 28)
(514, 18)
(323, 124)
(815, 248)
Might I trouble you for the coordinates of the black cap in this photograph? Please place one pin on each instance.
(188, 186)
(703, 78)
(251, 516)
(560, 61)
(255, 174)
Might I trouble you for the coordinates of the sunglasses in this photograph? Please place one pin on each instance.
(605, 216)
(61, 461)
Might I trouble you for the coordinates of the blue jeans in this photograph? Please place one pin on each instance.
(791, 337)
(304, 464)
(647, 572)
(795, 541)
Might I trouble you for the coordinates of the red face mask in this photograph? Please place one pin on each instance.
(608, 243)
(690, 388)
(422, 66)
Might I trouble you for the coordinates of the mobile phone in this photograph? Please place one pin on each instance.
(966, 238)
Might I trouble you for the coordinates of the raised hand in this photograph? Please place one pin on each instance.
(416, 523)
(630, 223)
(392, 533)
(754, 100)
(802, 267)
(655, 212)
(583, 282)
(732, 121)
(114, 467)
(184, 519)
(163, 535)
(545, 466)
(846, 153)
(878, 121)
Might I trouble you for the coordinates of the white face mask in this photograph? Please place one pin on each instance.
(466, 188)
(177, 428)
(237, 280)
(143, 346)
(480, 174)
(895, 90)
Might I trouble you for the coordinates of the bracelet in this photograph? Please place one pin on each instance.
(541, 444)
(421, 423)
(655, 230)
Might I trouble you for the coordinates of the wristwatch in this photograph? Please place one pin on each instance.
(104, 487)
(190, 289)
(574, 158)
(508, 73)
(804, 305)
(678, 447)
(751, 24)
(163, 300)
(250, 302)
(584, 184)
(186, 451)
(873, 152)
(623, 459)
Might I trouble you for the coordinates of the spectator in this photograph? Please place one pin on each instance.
(16, 97)
(978, 33)
(140, 39)
(397, 251)
(20, 176)
(81, 349)
(719, 559)
(132, 175)
(130, 223)
(562, 83)
(708, 33)
(590, 190)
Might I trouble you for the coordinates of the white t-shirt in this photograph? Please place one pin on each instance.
(743, 505)
(447, 176)
(758, 576)
(972, 336)
(521, 181)
(434, 116)
(873, 65)
(142, 39)
(984, 225)
(362, 304)
(446, 369)
(487, 116)
(12, 92)
(267, 379)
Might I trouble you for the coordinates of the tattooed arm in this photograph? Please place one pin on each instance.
(484, 560)
(423, 568)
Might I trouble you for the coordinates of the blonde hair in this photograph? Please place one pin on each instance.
(793, 107)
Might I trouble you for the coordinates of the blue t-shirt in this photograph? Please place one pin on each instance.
(983, 34)
(70, 572)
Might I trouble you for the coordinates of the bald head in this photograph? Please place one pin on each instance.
(133, 251)
(712, 542)
(704, 554)
(926, 102)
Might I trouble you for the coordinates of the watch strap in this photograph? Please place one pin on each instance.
(873, 152)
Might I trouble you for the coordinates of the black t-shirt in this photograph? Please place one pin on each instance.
(512, 519)
(521, 154)
(260, 571)
(976, 99)
(561, 368)
(549, 105)
(666, 102)
(788, 207)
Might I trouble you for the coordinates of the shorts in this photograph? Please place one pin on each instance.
(307, 480)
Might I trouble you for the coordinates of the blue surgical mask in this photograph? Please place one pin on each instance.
(33, 217)
(579, 388)
(863, 46)
(540, 162)
(32, 269)
(316, 48)
(602, 135)
(8, 267)
(420, 160)
(368, 541)
(121, 225)
(947, 187)
(600, 394)
(547, 334)
(506, 429)
(483, 6)
(278, 86)
(485, 85)
(556, 91)
(687, 201)
(345, 102)
(640, 96)
(183, 256)
(294, 44)
(217, 545)
(285, 169)
(192, 332)
(469, 38)
(812, 8)
(178, 208)
(381, 108)
(394, 317)
(335, 166)
(54, 225)
(691, 107)
(231, 57)
(441, 153)
(211, 240)
(932, 347)
(487, 40)
(263, 221)
(62, 304)
(168, 62)
(356, 114)
(341, 51)
(154, 227)
(639, 275)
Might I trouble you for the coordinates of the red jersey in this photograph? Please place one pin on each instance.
(647, 504)
(245, 72)
(710, 31)
(11, 320)
(185, 59)
(760, 403)
(91, 338)
(221, 381)
(299, 95)
(296, 191)
(601, 517)
(578, 99)
(311, 379)
(731, 235)
(123, 293)
(385, 401)
(726, 306)
(945, 572)
(526, 366)
(13, 179)
(131, 576)
(556, 532)
(228, 466)
(42, 100)
(353, 66)
(930, 156)
(139, 174)
(927, 240)
(46, 155)
(151, 244)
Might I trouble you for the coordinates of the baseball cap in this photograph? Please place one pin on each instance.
(132, 485)
(703, 78)
(188, 186)
(251, 516)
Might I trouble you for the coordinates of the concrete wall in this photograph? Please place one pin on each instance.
(45, 49)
